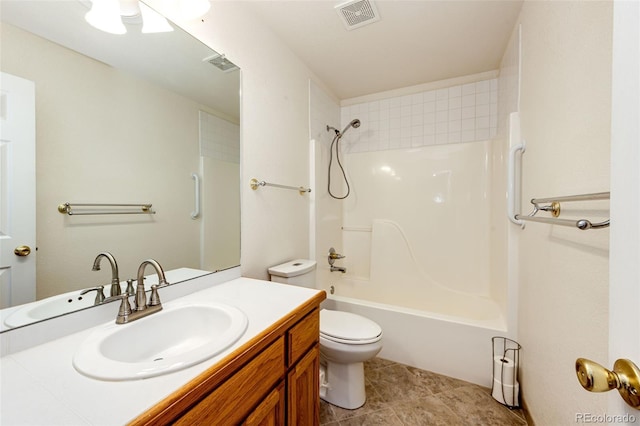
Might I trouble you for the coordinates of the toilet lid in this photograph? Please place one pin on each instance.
(345, 326)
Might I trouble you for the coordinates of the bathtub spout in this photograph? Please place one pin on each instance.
(338, 269)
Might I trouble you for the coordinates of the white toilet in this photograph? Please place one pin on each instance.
(346, 341)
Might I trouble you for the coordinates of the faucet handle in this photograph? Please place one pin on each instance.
(130, 291)
(154, 300)
(333, 256)
(125, 307)
(99, 294)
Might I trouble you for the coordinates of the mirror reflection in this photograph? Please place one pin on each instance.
(136, 118)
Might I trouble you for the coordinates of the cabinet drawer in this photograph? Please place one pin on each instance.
(234, 399)
(302, 336)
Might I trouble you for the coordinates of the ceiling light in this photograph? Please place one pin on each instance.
(153, 22)
(108, 16)
(129, 8)
(105, 16)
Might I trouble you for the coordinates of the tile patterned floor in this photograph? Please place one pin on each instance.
(405, 396)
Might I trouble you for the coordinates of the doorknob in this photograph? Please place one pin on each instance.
(625, 377)
(22, 251)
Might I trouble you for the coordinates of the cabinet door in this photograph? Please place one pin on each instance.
(234, 399)
(270, 412)
(303, 385)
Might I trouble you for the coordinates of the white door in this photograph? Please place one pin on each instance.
(624, 293)
(17, 191)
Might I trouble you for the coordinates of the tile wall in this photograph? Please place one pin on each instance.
(462, 113)
(219, 139)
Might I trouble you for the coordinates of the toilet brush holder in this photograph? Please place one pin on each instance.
(506, 358)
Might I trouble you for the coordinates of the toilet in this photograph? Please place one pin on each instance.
(347, 340)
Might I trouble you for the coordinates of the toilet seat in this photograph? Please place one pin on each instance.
(348, 328)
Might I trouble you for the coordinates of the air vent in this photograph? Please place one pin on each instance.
(357, 13)
(219, 61)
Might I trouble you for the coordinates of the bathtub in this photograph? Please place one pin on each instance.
(456, 346)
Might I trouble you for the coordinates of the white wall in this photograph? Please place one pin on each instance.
(503, 239)
(219, 192)
(326, 225)
(116, 150)
(565, 110)
(275, 140)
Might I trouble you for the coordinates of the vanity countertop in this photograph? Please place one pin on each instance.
(40, 386)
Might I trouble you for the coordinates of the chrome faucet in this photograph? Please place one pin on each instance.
(141, 297)
(115, 281)
(127, 314)
(332, 257)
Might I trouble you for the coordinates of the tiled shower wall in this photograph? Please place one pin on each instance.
(219, 139)
(462, 113)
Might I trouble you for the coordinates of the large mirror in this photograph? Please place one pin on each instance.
(119, 119)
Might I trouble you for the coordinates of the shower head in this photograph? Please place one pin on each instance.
(354, 123)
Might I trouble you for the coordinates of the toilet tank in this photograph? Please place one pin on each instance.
(300, 272)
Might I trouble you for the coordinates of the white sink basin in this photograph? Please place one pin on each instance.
(49, 308)
(177, 337)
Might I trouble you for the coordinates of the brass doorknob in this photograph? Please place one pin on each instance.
(22, 251)
(625, 377)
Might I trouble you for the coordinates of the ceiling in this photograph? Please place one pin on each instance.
(172, 60)
(414, 42)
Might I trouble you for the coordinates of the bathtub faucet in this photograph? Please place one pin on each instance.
(332, 257)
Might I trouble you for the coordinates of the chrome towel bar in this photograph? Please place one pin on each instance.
(554, 208)
(581, 197)
(255, 184)
(95, 209)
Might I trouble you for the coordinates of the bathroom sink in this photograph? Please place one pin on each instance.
(48, 308)
(177, 337)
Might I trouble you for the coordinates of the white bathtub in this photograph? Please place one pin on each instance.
(458, 347)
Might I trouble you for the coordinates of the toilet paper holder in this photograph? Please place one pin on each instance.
(506, 358)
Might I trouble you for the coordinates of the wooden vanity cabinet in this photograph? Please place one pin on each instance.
(303, 375)
(271, 410)
(303, 390)
(271, 380)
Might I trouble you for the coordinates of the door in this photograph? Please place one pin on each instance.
(17, 191)
(624, 288)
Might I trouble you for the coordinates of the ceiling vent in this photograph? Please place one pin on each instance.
(357, 13)
(220, 61)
